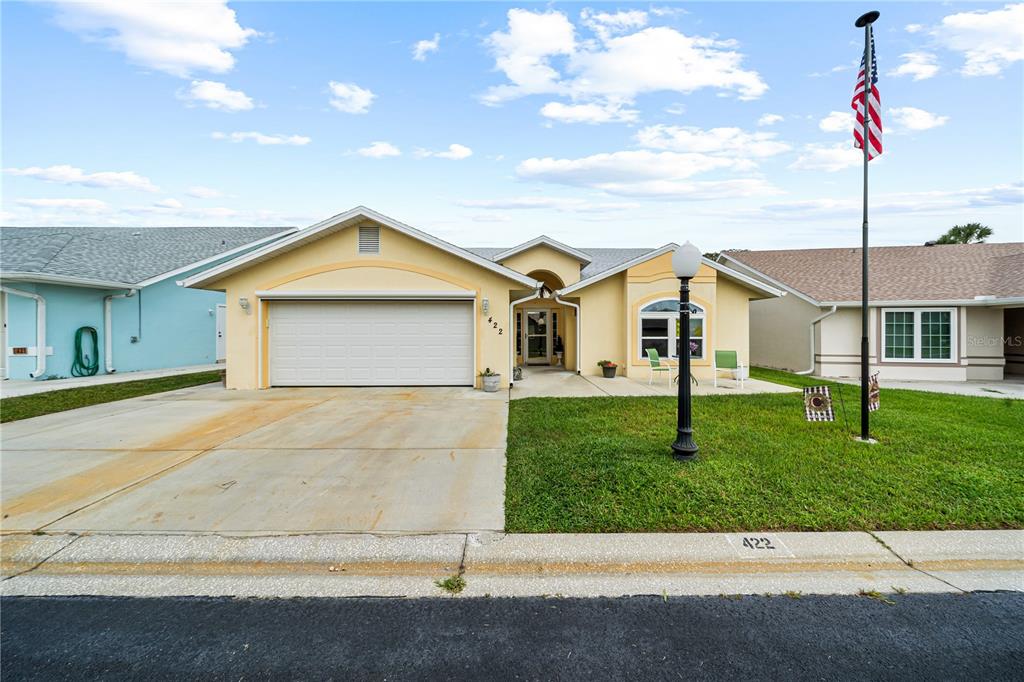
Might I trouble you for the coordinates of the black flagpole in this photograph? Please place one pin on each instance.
(865, 22)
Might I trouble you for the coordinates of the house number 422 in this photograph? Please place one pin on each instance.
(490, 320)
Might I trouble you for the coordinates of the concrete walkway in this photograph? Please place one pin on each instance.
(494, 564)
(12, 388)
(555, 382)
(1011, 387)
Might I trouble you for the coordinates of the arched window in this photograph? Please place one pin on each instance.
(659, 329)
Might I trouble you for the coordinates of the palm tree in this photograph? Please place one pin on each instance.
(971, 233)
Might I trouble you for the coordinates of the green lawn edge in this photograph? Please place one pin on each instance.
(586, 465)
(38, 404)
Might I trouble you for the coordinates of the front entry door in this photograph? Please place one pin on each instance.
(538, 337)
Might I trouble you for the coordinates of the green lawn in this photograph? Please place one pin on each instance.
(604, 464)
(23, 407)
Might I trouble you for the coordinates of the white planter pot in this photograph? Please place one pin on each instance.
(492, 383)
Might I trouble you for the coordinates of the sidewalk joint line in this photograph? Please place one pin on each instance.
(910, 564)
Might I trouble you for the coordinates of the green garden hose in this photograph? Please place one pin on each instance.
(86, 365)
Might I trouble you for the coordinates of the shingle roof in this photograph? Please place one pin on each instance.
(944, 272)
(601, 259)
(119, 254)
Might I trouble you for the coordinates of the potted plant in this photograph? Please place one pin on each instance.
(491, 380)
(559, 349)
(608, 367)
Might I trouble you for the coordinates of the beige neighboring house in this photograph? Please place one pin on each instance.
(361, 299)
(943, 312)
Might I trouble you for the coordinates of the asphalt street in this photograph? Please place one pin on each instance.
(978, 636)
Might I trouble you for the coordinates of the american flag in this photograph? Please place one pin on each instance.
(874, 107)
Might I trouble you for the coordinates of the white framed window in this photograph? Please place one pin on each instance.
(659, 329)
(919, 335)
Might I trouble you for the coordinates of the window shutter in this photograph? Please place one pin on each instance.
(369, 239)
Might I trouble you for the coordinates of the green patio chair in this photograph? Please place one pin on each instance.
(656, 366)
(728, 361)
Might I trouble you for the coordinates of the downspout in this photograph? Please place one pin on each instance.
(815, 321)
(108, 329)
(40, 329)
(578, 335)
(512, 325)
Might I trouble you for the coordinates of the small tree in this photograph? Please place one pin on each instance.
(971, 233)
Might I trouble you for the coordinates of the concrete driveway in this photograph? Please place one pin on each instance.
(283, 460)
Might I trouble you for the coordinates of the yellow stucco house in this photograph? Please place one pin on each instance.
(361, 299)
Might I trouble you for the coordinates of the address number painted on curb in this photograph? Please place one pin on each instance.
(759, 546)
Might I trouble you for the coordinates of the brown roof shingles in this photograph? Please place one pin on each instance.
(945, 272)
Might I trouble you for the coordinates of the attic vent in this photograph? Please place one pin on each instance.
(369, 239)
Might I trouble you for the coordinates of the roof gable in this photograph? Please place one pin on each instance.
(547, 241)
(350, 218)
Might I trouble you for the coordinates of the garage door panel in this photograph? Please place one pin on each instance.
(371, 343)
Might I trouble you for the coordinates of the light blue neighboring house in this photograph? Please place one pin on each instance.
(123, 283)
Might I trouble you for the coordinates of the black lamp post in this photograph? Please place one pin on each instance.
(685, 263)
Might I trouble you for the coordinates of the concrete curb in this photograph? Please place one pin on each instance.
(495, 564)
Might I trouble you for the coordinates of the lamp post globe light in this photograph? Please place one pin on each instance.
(685, 263)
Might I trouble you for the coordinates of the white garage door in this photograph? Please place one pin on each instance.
(371, 343)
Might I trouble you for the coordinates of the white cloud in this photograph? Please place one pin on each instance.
(769, 120)
(69, 175)
(539, 54)
(174, 37)
(379, 150)
(168, 203)
(217, 96)
(828, 158)
(936, 202)
(990, 41)
(911, 118)
(913, 28)
(455, 152)
(201, 192)
(606, 24)
(424, 47)
(553, 203)
(588, 113)
(645, 173)
(263, 139)
(491, 218)
(350, 98)
(79, 205)
(838, 122)
(732, 142)
(676, 109)
(835, 69)
(920, 65)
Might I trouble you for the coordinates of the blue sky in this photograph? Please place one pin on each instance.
(600, 124)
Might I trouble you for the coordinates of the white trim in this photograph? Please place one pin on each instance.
(671, 316)
(810, 328)
(547, 241)
(982, 302)
(546, 360)
(744, 279)
(616, 269)
(230, 252)
(341, 221)
(40, 328)
(579, 341)
(46, 278)
(460, 295)
(259, 343)
(512, 323)
(954, 338)
(643, 258)
(771, 280)
(108, 329)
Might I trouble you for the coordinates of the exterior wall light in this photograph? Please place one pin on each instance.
(244, 302)
(485, 306)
